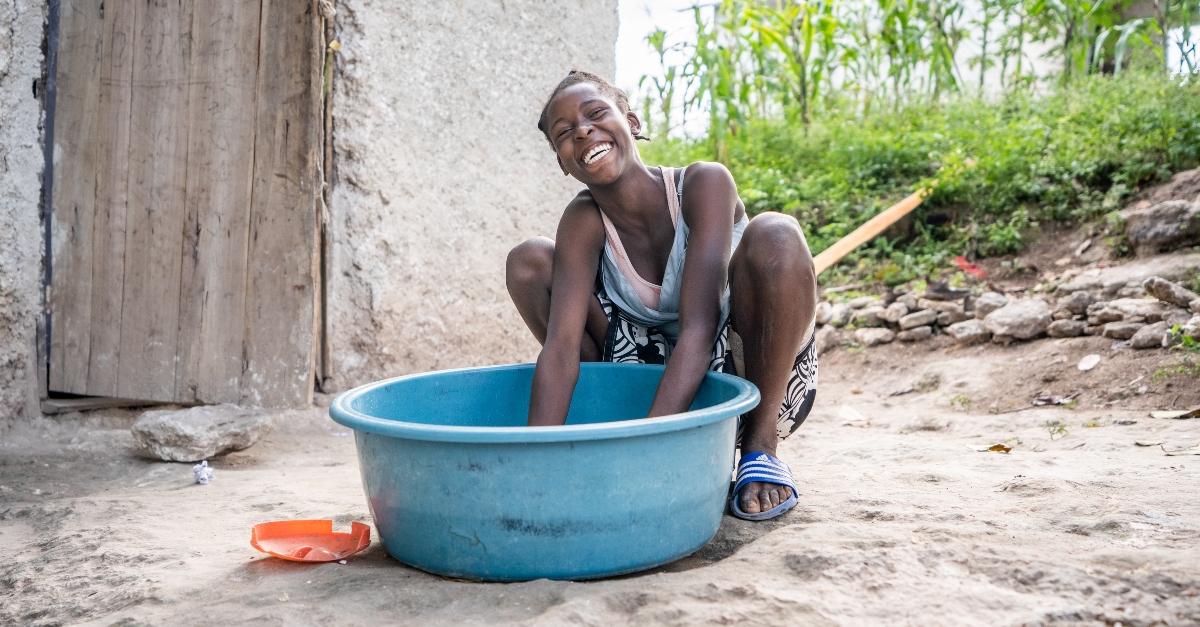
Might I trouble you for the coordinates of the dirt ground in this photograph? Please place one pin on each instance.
(900, 521)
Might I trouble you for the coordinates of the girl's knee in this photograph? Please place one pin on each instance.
(529, 262)
(774, 243)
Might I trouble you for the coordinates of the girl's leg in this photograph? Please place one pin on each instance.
(528, 274)
(773, 297)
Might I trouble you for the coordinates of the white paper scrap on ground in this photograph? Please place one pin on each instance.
(203, 473)
(851, 416)
(1088, 362)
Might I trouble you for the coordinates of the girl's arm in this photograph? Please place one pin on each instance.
(577, 249)
(709, 203)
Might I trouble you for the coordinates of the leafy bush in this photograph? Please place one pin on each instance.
(1002, 166)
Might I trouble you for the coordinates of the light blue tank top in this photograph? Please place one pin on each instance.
(666, 317)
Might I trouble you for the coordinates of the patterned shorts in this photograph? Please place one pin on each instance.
(630, 342)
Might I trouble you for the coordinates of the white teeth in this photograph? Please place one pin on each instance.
(596, 152)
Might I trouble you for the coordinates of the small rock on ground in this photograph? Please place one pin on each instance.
(871, 316)
(947, 318)
(1020, 319)
(1149, 336)
(840, 314)
(918, 319)
(1066, 328)
(895, 312)
(1169, 292)
(1163, 226)
(863, 301)
(939, 305)
(198, 433)
(827, 338)
(823, 312)
(969, 332)
(874, 337)
(915, 335)
(989, 302)
(1122, 330)
(1077, 303)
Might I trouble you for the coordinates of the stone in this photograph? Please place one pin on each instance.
(1093, 329)
(1062, 314)
(1077, 303)
(1151, 309)
(1195, 306)
(1104, 316)
(1150, 336)
(988, 302)
(1136, 291)
(823, 312)
(874, 337)
(1162, 227)
(862, 301)
(1066, 328)
(947, 318)
(870, 317)
(969, 332)
(1130, 309)
(895, 312)
(198, 433)
(1113, 289)
(1169, 292)
(1173, 267)
(939, 305)
(909, 300)
(840, 314)
(915, 335)
(1173, 318)
(1021, 319)
(918, 319)
(1121, 330)
(827, 338)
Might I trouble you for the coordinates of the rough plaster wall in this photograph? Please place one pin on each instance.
(440, 170)
(21, 31)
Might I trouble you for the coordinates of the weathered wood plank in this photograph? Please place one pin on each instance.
(81, 34)
(220, 162)
(112, 184)
(279, 304)
(157, 181)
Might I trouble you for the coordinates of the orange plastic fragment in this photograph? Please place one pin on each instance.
(309, 540)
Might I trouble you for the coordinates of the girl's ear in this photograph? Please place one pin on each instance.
(635, 123)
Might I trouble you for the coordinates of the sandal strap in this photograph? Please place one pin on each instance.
(763, 468)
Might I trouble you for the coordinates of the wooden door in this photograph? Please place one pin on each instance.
(185, 177)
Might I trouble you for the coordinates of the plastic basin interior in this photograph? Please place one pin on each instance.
(458, 486)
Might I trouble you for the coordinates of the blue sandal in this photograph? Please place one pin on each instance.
(763, 468)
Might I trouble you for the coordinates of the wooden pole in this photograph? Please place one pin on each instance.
(866, 232)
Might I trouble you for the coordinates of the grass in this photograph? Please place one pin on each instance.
(1003, 166)
(1056, 429)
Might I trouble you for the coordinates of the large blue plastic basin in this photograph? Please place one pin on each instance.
(458, 485)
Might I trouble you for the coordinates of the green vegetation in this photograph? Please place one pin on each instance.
(960, 402)
(833, 111)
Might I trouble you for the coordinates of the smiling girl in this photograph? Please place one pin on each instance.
(662, 265)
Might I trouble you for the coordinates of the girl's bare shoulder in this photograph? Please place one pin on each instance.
(580, 222)
(709, 173)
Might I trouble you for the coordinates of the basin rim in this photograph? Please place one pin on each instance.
(341, 411)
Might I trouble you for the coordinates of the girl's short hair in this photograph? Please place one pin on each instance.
(575, 77)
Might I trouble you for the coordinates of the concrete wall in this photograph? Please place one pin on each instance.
(21, 32)
(440, 169)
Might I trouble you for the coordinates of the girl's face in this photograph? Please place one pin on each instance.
(592, 138)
